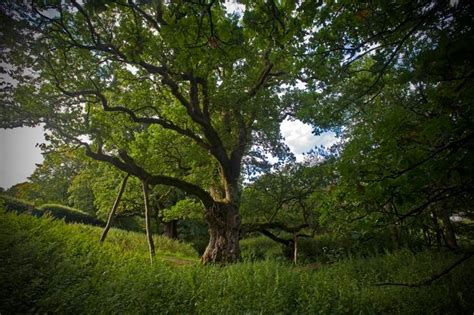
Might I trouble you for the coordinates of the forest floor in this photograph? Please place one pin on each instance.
(48, 266)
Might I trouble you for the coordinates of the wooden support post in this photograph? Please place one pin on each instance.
(149, 235)
(110, 219)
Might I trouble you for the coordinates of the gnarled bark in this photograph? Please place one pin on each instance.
(223, 220)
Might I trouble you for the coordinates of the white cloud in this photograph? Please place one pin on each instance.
(233, 7)
(300, 139)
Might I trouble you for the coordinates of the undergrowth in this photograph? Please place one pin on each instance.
(47, 266)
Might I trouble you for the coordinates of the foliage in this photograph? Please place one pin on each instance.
(184, 209)
(135, 242)
(61, 178)
(80, 193)
(129, 223)
(403, 109)
(178, 103)
(211, 87)
(281, 201)
(319, 249)
(187, 95)
(67, 214)
(51, 179)
(284, 195)
(105, 181)
(20, 191)
(195, 233)
(167, 204)
(48, 266)
(261, 248)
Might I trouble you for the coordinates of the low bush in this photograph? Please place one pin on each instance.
(194, 232)
(321, 249)
(47, 266)
(261, 248)
(18, 205)
(130, 223)
(70, 215)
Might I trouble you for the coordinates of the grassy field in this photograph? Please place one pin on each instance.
(48, 266)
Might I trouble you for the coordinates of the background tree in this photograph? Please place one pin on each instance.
(283, 205)
(80, 192)
(406, 107)
(51, 180)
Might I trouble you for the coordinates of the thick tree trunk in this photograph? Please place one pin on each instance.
(427, 236)
(223, 220)
(449, 234)
(171, 229)
(114, 209)
(394, 233)
(157, 218)
(437, 229)
(149, 236)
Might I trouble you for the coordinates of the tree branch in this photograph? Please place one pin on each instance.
(276, 225)
(274, 237)
(128, 165)
(215, 146)
(433, 278)
(147, 120)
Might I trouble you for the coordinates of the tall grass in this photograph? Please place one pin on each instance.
(47, 266)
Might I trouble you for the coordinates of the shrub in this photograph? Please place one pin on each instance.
(322, 249)
(261, 248)
(129, 223)
(70, 214)
(18, 205)
(195, 232)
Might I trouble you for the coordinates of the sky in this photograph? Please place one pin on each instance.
(300, 139)
(19, 153)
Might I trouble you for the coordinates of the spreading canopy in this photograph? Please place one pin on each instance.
(100, 74)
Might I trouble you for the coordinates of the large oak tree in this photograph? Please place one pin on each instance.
(216, 85)
(98, 74)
